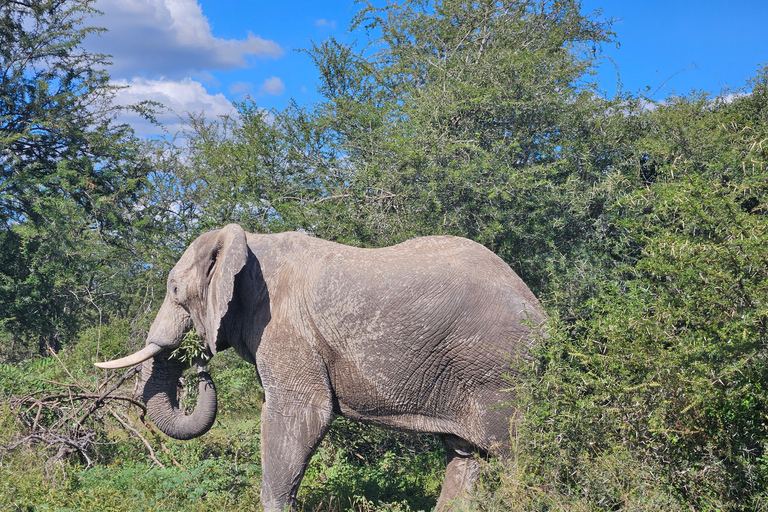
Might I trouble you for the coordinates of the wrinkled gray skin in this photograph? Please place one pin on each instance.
(416, 337)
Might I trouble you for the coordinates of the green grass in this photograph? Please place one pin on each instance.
(220, 471)
(356, 468)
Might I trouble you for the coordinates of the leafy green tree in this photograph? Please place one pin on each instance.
(268, 171)
(654, 398)
(69, 175)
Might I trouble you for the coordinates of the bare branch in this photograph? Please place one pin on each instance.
(125, 423)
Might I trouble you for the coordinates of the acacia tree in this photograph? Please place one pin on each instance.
(68, 177)
(462, 118)
(654, 398)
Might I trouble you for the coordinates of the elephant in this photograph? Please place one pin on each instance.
(423, 336)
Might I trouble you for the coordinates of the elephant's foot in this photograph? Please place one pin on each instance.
(460, 475)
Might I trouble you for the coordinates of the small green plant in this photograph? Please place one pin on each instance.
(192, 349)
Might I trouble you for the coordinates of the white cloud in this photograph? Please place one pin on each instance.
(179, 97)
(240, 89)
(322, 22)
(273, 85)
(169, 38)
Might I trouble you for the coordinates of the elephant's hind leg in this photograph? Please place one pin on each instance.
(461, 473)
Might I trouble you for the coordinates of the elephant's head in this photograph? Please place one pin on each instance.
(200, 288)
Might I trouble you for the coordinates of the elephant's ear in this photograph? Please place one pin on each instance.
(227, 259)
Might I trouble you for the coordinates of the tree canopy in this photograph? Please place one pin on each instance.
(69, 177)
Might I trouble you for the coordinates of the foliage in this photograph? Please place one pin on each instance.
(265, 171)
(666, 368)
(371, 467)
(141, 470)
(447, 126)
(69, 176)
(191, 350)
(208, 486)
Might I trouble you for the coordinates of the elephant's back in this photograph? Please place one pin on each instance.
(411, 282)
(438, 275)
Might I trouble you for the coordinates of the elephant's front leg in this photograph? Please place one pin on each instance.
(291, 430)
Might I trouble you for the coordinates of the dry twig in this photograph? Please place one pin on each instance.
(66, 419)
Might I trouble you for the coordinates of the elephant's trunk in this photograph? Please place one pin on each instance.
(161, 377)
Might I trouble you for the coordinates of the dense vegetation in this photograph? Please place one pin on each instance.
(641, 225)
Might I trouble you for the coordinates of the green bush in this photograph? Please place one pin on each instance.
(360, 467)
(654, 395)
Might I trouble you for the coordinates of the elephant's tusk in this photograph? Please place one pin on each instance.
(148, 352)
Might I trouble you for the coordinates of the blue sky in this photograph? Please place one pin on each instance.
(681, 45)
(201, 55)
